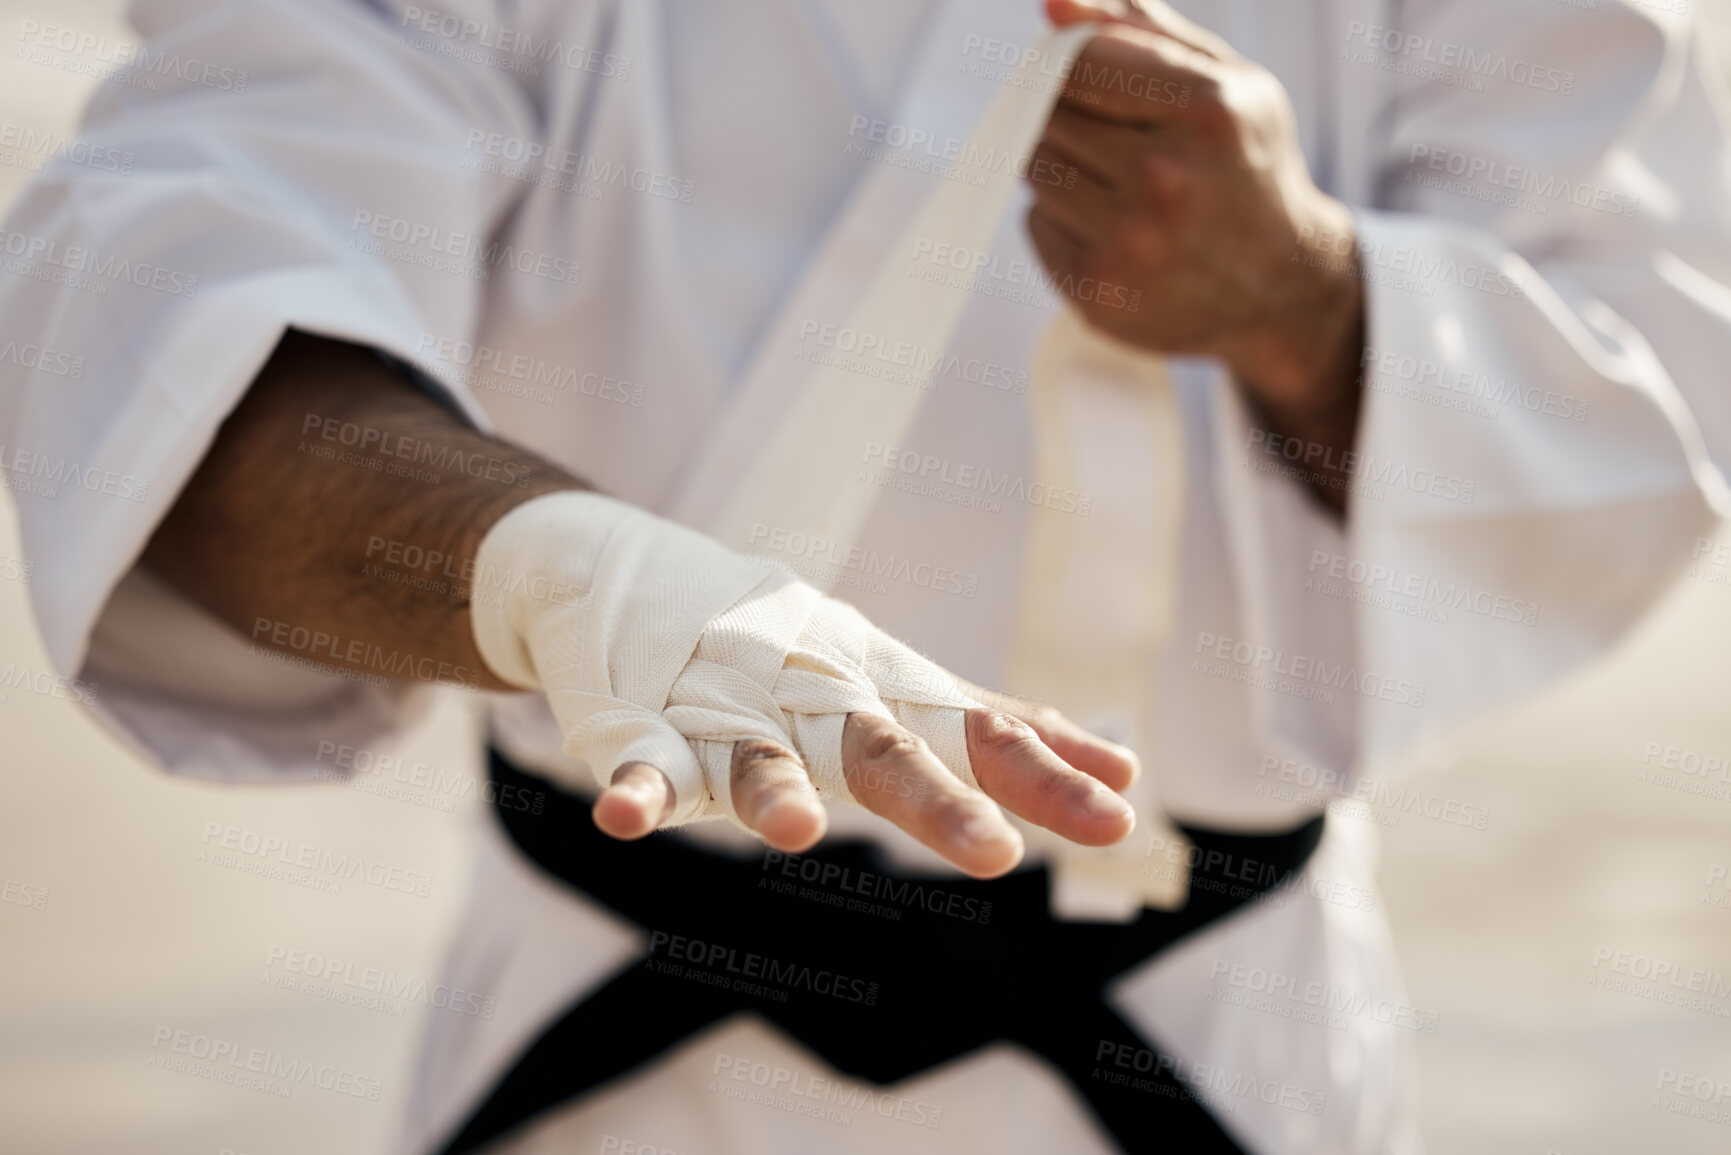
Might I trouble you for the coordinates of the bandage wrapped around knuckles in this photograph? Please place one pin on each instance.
(655, 644)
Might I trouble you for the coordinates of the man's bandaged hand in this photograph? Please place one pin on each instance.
(694, 682)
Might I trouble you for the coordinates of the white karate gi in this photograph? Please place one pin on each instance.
(688, 162)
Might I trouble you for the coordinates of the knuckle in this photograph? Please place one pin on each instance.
(1130, 239)
(892, 746)
(1107, 261)
(879, 740)
(996, 733)
(1162, 182)
(1211, 105)
(751, 751)
(1044, 717)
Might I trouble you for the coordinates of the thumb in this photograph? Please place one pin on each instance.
(1064, 13)
(1154, 16)
(608, 733)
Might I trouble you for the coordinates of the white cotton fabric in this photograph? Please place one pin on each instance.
(661, 646)
(756, 109)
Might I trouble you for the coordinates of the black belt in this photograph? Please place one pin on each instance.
(883, 974)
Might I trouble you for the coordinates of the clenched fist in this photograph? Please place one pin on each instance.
(1191, 191)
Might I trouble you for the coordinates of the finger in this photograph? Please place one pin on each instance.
(639, 800)
(1151, 15)
(1063, 13)
(1080, 205)
(1115, 766)
(1105, 149)
(773, 795)
(1136, 77)
(1017, 769)
(892, 773)
(1059, 251)
(603, 733)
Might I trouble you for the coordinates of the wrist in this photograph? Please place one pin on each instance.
(1301, 363)
(539, 557)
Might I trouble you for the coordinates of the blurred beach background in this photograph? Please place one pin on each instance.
(117, 921)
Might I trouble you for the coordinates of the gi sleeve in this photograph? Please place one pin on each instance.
(281, 163)
(1545, 249)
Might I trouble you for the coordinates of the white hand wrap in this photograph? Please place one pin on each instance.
(656, 644)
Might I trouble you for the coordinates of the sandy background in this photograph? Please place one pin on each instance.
(115, 922)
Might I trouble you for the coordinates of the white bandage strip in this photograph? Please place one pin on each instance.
(843, 408)
(656, 644)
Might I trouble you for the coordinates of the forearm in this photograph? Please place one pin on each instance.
(1307, 384)
(338, 500)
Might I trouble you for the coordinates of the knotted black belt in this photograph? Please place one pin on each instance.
(883, 974)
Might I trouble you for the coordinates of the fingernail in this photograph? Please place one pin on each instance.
(1104, 804)
(784, 800)
(638, 789)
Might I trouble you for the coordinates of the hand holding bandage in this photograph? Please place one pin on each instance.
(696, 683)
